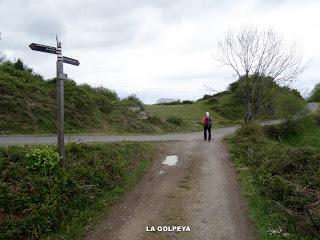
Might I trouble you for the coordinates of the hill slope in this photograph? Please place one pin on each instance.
(227, 108)
(28, 105)
(190, 114)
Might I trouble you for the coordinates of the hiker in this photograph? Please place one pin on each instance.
(207, 123)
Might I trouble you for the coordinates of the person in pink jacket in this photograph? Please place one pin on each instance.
(207, 124)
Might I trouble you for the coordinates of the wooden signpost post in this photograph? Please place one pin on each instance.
(60, 86)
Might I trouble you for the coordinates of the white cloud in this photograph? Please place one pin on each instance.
(154, 48)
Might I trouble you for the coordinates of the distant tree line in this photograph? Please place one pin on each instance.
(176, 102)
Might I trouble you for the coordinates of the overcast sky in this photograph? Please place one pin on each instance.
(155, 48)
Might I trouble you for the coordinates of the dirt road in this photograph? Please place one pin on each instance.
(201, 191)
(52, 139)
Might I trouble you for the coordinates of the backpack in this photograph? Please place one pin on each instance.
(208, 122)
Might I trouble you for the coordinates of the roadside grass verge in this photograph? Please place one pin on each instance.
(58, 203)
(279, 181)
(269, 220)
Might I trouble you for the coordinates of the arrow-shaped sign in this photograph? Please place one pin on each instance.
(53, 50)
(43, 48)
(70, 61)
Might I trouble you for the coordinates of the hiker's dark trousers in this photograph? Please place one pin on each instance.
(205, 129)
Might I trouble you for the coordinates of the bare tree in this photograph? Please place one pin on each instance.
(254, 56)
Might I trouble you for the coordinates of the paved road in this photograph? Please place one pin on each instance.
(52, 139)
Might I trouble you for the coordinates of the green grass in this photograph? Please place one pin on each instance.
(278, 177)
(309, 138)
(28, 106)
(267, 218)
(64, 203)
(191, 114)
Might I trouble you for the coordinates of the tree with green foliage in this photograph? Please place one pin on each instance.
(256, 57)
(133, 101)
(315, 94)
(289, 106)
(19, 65)
(265, 107)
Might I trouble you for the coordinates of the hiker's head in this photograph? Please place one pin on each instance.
(207, 114)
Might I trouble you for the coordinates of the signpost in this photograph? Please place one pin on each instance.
(70, 61)
(63, 76)
(60, 86)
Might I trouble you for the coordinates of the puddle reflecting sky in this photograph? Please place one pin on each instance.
(171, 160)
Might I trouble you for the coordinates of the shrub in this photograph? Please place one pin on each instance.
(175, 120)
(44, 159)
(250, 129)
(287, 175)
(212, 100)
(37, 206)
(283, 130)
(30, 100)
(315, 95)
(316, 117)
(133, 101)
(229, 106)
(288, 106)
(177, 102)
(154, 120)
(187, 102)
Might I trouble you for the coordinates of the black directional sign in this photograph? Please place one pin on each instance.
(53, 50)
(43, 48)
(71, 61)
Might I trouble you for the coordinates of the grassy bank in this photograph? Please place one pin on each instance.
(309, 138)
(279, 174)
(190, 115)
(40, 200)
(28, 106)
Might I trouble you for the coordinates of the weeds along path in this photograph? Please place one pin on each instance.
(201, 191)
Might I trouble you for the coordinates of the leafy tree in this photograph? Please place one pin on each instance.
(133, 101)
(289, 106)
(267, 104)
(315, 94)
(18, 65)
